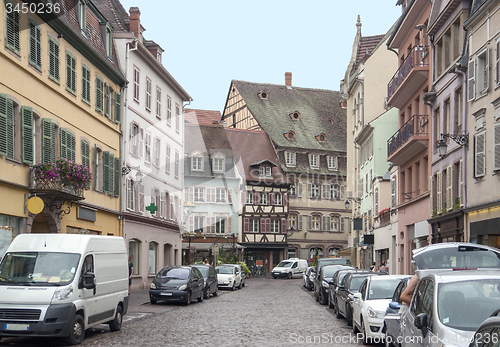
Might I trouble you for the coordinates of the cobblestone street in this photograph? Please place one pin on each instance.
(266, 312)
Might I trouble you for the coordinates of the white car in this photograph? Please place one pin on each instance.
(370, 304)
(293, 267)
(240, 272)
(228, 277)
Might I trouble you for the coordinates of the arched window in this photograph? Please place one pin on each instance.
(152, 256)
(133, 252)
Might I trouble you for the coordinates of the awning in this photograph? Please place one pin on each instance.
(205, 246)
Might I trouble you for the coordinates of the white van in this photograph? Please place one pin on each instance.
(58, 285)
(293, 267)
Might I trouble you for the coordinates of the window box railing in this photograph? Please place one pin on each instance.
(416, 125)
(55, 186)
(415, 58)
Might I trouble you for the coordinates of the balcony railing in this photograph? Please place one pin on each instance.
(416, 125)
(55, 187)
(415, 58)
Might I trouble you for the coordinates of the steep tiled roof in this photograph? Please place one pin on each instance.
(206, 117)
(114, 13)
(315, 107)
(366, 46)
(206, 139)
(251, 146)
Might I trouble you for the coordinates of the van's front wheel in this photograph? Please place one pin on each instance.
(116, 324)
(77, 331)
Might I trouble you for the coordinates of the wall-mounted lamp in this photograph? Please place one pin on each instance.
(348, 204)
(138, 176)
(290, 231)
(462, 140)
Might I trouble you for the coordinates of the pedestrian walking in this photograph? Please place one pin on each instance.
(373, 267)
(383, 268)
(130, 272)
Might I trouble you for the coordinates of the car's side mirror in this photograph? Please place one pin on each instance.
(331, 283)
(88, 281)
(421, 323)
(357, 295)
(395, 305)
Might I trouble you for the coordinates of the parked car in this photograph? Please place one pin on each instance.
(305, 276)
(324, 278)
(318, 281)
(392, 321)
(293, 267)
(330, 261)
(178, 284)
(344, 296)
(488, 333)
(210, 279)
(228, 277)
(450, 305)
(334, 284)
(240, 272)
(370, 305)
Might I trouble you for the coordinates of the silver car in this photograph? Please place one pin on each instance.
(448, 307)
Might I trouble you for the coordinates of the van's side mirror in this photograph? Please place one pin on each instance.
(421, 323)
(88, 280)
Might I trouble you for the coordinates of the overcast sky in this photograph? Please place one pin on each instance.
(209, 43)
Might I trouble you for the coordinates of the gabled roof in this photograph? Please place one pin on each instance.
(251, 146)
(366, 46)
(315, 107)
(115, 13)
(207, 139)
(205, 117)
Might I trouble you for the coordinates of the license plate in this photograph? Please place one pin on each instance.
(11, 326)
(167, 294)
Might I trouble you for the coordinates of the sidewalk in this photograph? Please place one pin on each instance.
(138, 297)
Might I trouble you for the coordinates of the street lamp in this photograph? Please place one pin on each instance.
(348, 204)
(290, 231)
(188, 210)
(138, 176)
(461, 140)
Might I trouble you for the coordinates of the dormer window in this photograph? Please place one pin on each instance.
(321, 137)
(290, 158)
(295, 115)
(158, 56)
(290, 135)
(108, 41)
(197, 162)
(330, 120)
(332, 162)
(81, 13)
(218, 164)
(263, 95)
(314, 161)
(265, 171)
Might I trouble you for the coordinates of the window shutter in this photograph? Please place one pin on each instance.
(309, 190)
(461, 182)
(63, 153)
(268, 225)
(13, 30)
(285, 199)
(71, 146)
(283, 226)
(323, 223)
(486, 72)
(324, 193)
(229, 225)
(246, 224)
(496, 155)
(262, 226)
(431, 194)
(497, 61)
(35, 45)
(54, 60)
(3, 125)
(118, 110)
(85, 148)
(190, 224)
(471, 81)
(439, 193)
(229, 196)
(96, 168)
(213, 192)
(299, 189)
(299, 221)
(449, 188)
(27, 114)
(117, 177)
(342, 192)
(129, 194)
(309, 222)
(70, 73)
(256, 198)
(107, 101)
(141, 197)
(342, 224)
(479, 165)
(48, 130)
(271, 198)
(98, 94)
(141, 141)
(27, 125)
(105, 175)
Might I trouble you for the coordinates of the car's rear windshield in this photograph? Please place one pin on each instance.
(382, 289)
(356, 282)
(461, 257)
(225, 270)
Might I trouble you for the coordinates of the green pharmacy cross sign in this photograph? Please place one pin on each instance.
(152, 208)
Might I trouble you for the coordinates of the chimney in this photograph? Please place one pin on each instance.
(135, 21)
(288, 79)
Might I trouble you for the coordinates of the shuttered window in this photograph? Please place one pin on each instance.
(85, 149)
(98, 94)
(461, 182)
(35, 44)
(67, 141)
(439, 192)
(117, 177)
(431, 194)
(3, 125)
(496, 151)
(471, 94)
(12, 27)
(118, 109)
(108, 172)
(479, 154)
(70, 73)
(107, 100)
(85, 84)
(449, 188)
(48, 141)
(27, 134)
(53, 60)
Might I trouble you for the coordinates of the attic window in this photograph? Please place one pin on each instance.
(290, 135)
(330, 120)
(263, 95)
(295, 115)
(321, 137)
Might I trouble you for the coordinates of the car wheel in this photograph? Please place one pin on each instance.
(76, 332)
(275, 277)
(330, 303)
(337, 311)
(200, 299)
(206, 293)
(348, 315)
(322, 300)
(116, 324)
(363, 331)
(289, 275)
(188, 299)
(216, 293)
(243, 284)
(153, 301)
(354, 328)
(387, 340)
(239, 286)
(234, 286)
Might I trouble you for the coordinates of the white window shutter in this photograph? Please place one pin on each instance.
(449, 188)
(342, 224)
(299, 189)
(496, 147)
(479, 167)
(431, 194)
(328, 223)
(309, 190)
(309, 222)
(324, 191)
(323, 223)
(439, 193)
(487, 72)
(141, 141)
(342, 192)
(141, 197)
(299, 222)
(497, 61)
(229, 225)
(191, 224)
(471, 93)
(461, 182)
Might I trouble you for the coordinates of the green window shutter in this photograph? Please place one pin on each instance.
(53, 59)
(111, 174)
(63, 153)
(96, 167)
(10, 129)
(107, 104)
(3, 124)
(118, 105)
(106, 169)
(35, 44)
(27, 131)
(117, 177)
(85, 84)
(48, 141)
(71, 146)
(98, 94)
(13, 30)
(70, 73)
(85, 154)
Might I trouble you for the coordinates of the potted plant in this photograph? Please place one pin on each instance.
(65, 172)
